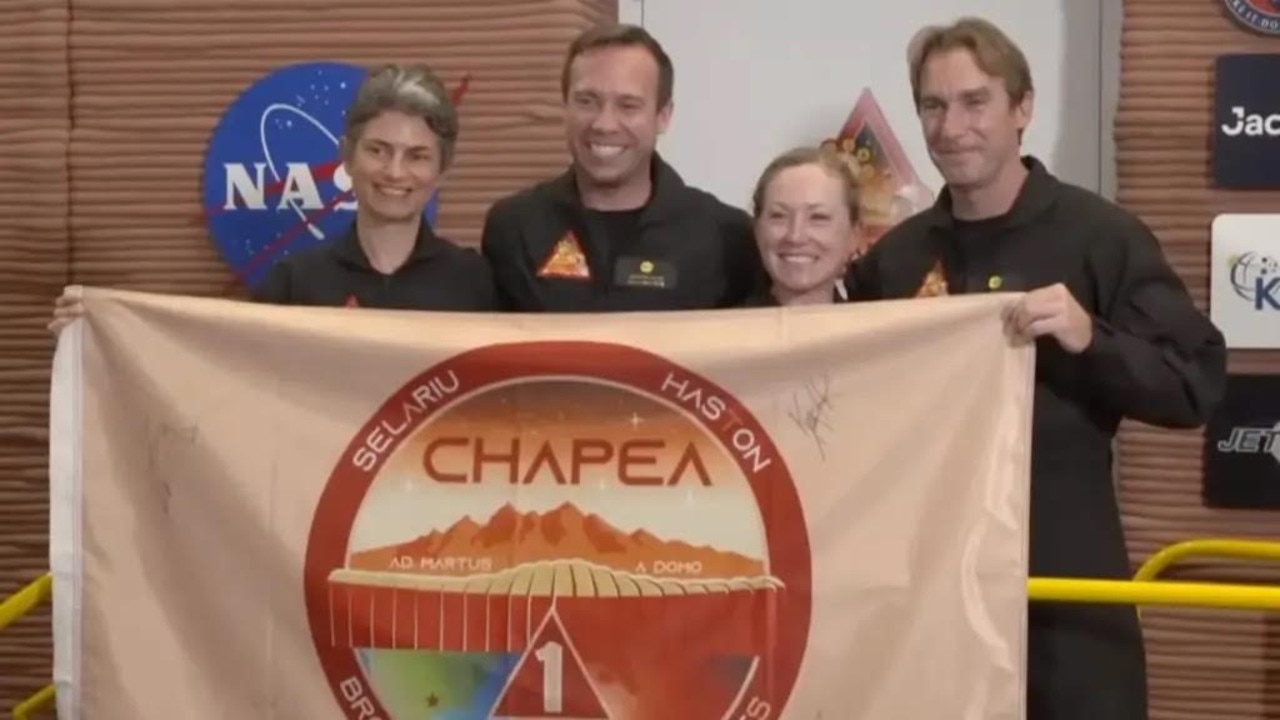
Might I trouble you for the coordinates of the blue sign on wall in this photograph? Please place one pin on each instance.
(1246, 138)
(273, 180)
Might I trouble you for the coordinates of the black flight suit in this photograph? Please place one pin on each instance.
(1154, 358)
(683, 250)
(438, 275)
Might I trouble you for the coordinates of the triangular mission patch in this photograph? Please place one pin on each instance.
(566, 260)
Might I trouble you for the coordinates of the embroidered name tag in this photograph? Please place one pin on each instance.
(642, 272)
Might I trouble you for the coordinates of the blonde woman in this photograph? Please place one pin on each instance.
(806, 216)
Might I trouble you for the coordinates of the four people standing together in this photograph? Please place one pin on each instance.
(1116, 332)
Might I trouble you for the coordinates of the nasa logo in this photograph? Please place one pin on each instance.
(1262, 16)
(273, 180)
(602, 535)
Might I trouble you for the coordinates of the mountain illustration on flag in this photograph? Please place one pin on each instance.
(511, 538)
(891, 189)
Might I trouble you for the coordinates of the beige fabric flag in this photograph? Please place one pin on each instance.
(265, 512)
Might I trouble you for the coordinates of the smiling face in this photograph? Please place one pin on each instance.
(613, 119)
(395, 167)
(805, 231)
(971, 124)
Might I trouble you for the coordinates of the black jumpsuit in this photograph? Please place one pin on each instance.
(437, 276)
(1154, 358)
(683, 250)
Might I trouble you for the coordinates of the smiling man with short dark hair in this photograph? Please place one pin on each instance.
(619, 230)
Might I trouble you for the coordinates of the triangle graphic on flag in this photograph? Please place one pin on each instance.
(550, 681)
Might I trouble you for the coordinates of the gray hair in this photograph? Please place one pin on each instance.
(413, 90)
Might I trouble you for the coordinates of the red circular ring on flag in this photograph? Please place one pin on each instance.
(786, 536)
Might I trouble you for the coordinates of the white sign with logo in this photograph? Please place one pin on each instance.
(1244, 280)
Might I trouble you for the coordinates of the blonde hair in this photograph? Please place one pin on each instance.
(413, 90)
(993, 51)
(830, 160)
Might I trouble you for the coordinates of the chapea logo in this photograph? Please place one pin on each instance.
(600, 535)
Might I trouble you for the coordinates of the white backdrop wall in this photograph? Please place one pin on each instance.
(755, 77)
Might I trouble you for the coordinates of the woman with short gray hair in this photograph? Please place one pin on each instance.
(397, 146)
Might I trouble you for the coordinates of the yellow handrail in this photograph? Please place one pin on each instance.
(38, 703)
(1163, 592)
(25, 600)
(14, 607)
(1209, 547)
(1144, 589)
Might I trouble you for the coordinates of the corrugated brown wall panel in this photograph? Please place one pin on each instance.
(153, 77)
(1205, 665)
(34, 127)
